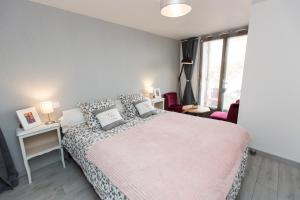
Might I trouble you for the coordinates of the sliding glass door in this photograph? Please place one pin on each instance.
(232, 84)
(222, 71)
(211, 69)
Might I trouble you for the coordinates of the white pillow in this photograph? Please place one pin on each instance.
(109, 118)
(145, 108)
(70, 118)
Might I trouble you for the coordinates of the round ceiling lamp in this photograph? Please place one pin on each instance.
(174, 8)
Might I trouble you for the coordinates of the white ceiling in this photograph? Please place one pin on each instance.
(207, 16)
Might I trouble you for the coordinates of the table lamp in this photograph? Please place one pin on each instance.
(149, 92)
(47, 108)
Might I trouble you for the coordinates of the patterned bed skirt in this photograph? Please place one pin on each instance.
(107, 191)
(237, 182)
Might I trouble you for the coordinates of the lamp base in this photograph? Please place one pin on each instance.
(49, 122)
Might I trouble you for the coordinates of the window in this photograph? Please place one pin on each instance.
(221, 83)
(211, 69)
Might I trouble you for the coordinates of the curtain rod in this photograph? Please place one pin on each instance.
(221, 33)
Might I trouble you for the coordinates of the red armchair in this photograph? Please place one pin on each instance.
(171, 102)
(230, 116)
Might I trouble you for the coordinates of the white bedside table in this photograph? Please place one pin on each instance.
(158, 103)
(39, 141)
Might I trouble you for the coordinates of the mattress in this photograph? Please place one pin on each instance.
(79, 139)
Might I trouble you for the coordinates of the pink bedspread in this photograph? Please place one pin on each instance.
(173, 157)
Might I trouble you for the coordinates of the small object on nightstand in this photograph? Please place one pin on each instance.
(157, 93)
(158, 103)
(39, 141)
(29, 118)
(148, 92)
(47, 108)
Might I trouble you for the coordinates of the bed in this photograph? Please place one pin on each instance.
(218, 174)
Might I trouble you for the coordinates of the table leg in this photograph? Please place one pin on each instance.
(62, 157)
(25, 160)
(28, 171)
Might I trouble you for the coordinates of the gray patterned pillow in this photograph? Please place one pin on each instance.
(128, 101)
(145, 108)
(109, 118)
(89, 107)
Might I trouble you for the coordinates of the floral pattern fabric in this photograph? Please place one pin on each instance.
(79, 138)
(237, 182)
(89, 107)
(128, 101)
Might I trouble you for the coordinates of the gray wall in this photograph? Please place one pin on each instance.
(50, 54)
(270, 94)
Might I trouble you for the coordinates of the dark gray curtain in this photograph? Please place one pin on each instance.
(189, 51)
(8, 173)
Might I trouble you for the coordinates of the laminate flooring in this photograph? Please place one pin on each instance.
(266, 179)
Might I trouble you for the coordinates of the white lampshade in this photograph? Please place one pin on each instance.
(46, 107)
(174, 8)
(149, 90)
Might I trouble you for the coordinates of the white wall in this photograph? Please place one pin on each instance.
(47, 53)
(270, 102)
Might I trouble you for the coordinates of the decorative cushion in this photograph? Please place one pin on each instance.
(145, 108)
(89, 107)
(219, 115)
(71, 118)
(109, 118)
(128, 102)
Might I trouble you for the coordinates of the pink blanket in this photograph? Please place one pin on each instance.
(173, 157)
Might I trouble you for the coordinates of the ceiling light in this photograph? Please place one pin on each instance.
(174, 8)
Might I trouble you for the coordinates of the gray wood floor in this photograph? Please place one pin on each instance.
(266, 179)
(270, 179)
